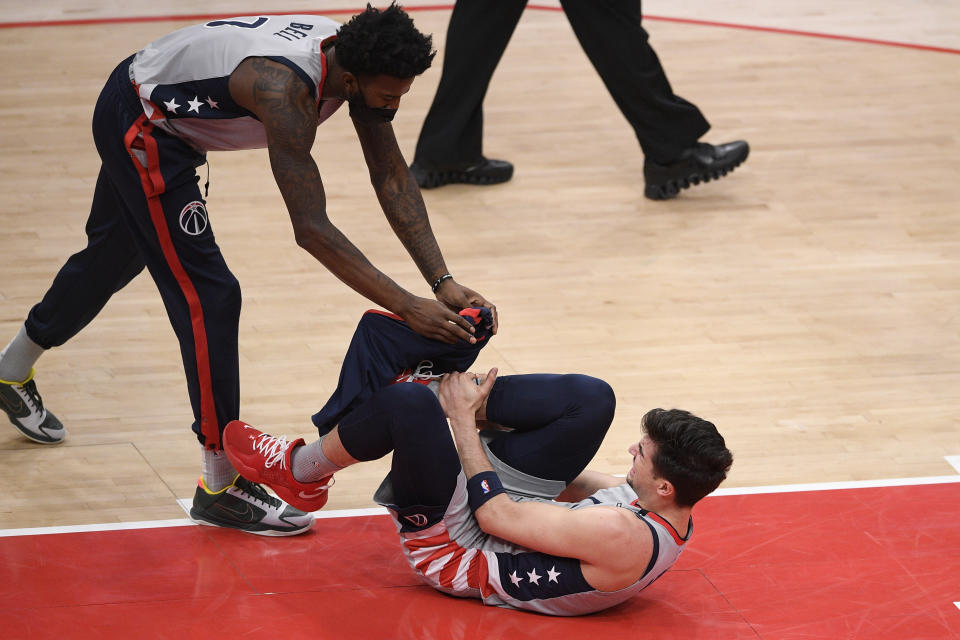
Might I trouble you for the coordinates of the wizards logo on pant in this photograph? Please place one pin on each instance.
(193, 218)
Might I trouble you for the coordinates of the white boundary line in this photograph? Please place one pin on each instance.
(827, 486)
(106, 526)
(954, 462)
(375, 511)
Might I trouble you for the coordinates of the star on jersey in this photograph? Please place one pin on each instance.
(515, 579)
(552, 574)
(213, 103)
(194, 104)
(534, 578)
(172, 106)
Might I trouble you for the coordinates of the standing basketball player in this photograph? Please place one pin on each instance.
(240, 83)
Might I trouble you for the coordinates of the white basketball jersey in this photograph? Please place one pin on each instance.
(455, 556)
(182, 78)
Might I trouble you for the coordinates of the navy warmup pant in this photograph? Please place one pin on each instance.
(148, 211)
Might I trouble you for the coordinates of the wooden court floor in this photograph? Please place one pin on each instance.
(807, 304)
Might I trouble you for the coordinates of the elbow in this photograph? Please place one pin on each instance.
(304, 240)
(309, 237)
(484, 519)
(490, 517)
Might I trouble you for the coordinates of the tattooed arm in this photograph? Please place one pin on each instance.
(283, 102)
(403, 206)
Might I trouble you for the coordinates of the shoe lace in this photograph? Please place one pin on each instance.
(272, 448)
(424, 371)
(256, 492)
(33, 396)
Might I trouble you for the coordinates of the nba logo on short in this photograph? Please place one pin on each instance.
(485, 486)
(193, 218)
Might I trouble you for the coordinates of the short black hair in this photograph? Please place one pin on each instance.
(691, 453)
(383, 42)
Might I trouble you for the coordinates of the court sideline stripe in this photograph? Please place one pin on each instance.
(808, 34)
(375, 511)
(954, 462)
(437, 7)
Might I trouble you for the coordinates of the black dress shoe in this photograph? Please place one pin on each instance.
(486, 171)
(700, 163)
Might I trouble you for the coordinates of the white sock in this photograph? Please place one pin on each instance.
(216, 470)
(308, 464)
(18, 357)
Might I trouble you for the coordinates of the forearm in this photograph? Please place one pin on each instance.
(343, 259)
(473, 458)
(541, 526)
(303, 193)
(496, 514)
(400, 198)
(403, 206)
(461, 396)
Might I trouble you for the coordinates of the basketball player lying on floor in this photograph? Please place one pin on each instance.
(509, 515)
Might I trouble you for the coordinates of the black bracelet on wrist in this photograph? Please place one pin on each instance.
(436, 285)
(482, 487)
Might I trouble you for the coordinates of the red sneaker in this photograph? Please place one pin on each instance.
(260, 457)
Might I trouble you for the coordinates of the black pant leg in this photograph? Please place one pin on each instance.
(612, 36)
(89, 277)
(407, 420)
(478, 33)
(202, 298)
(155, 176)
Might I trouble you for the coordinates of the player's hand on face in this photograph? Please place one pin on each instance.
(457, 297)
(432, 319)
(462, 394)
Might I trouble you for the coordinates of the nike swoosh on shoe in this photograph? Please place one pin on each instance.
(17, 409)
(247, 515)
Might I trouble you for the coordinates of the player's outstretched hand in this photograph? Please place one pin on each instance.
(462, 394)
(432, 319)
(457, 297)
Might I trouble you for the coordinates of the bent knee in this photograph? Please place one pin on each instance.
(592, 397)
(411, 399)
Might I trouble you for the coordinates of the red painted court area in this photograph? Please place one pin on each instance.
(850, 563)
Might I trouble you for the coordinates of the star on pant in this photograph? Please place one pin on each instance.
(171, 106)
(534, 578)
